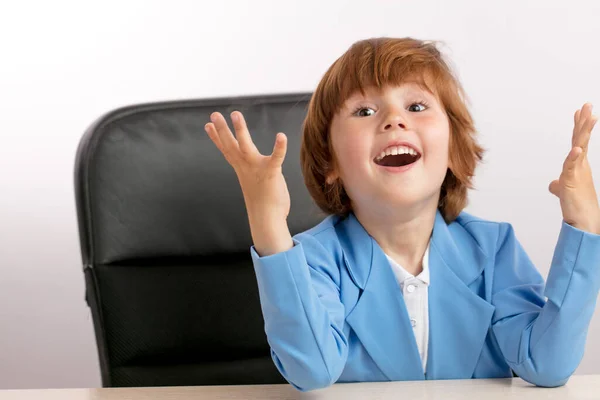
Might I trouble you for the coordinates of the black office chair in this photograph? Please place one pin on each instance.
(165, 241)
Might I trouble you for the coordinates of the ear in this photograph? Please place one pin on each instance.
(331, 177)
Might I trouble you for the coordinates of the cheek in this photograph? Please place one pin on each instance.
(353, 151)
(438, 147)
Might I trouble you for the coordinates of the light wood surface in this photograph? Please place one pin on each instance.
(579, 387)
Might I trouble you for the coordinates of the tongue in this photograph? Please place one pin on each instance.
(397, 160)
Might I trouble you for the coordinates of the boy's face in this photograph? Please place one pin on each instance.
(366, 126)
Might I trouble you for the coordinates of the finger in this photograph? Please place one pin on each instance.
(228, 142)
(589, 125)
(579, 115)
(580, 135)
(571, 162)
(586, 113)
(583, 137)
(576, 128)
(242, 134)
(212, 134)
(279, 150)
(554, 188)
(586, 133)
(568, 178)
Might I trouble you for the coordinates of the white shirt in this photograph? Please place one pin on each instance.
(415, 292)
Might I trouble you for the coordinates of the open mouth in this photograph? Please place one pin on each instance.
(397, 160)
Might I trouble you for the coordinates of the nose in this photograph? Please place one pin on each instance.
(393, 120)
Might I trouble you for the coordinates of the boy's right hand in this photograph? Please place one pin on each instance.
(261, 179)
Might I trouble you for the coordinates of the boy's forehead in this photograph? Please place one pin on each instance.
(409, 87)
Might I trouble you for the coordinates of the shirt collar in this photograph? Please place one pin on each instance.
(403, 274)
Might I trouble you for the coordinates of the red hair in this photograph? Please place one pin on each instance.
(379, 62)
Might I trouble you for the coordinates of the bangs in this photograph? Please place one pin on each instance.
(368, 65)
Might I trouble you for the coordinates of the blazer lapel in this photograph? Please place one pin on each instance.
(379, 318)
(459, 319)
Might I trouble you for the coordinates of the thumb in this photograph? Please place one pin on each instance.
(554, 188)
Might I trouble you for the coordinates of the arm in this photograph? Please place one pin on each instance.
(298, 281)
(543, 341)
(304, 317)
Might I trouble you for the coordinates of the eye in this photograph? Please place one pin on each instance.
(419, 103)
(359, 111)
(366, 111)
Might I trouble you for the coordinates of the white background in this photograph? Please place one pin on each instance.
(526, 66)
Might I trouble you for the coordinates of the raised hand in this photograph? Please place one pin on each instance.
(575, 186)
(265, 192)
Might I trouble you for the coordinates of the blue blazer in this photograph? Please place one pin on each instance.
(334, 312)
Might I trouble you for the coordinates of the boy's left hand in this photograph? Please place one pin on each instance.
(575, 186)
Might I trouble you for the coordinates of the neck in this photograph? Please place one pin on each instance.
(403, 236)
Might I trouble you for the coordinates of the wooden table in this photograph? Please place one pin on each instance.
(579, 387)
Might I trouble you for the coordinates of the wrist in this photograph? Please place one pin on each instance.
(592, 227)
(270, 235)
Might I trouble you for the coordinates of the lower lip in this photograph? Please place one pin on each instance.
(398, 170)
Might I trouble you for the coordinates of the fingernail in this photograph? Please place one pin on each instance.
(234, 117)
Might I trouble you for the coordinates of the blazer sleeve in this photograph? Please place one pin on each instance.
(299, 293)
(541, 329)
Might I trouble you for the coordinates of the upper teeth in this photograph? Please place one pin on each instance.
(393, 150)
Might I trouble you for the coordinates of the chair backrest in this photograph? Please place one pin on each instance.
(165, 241)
